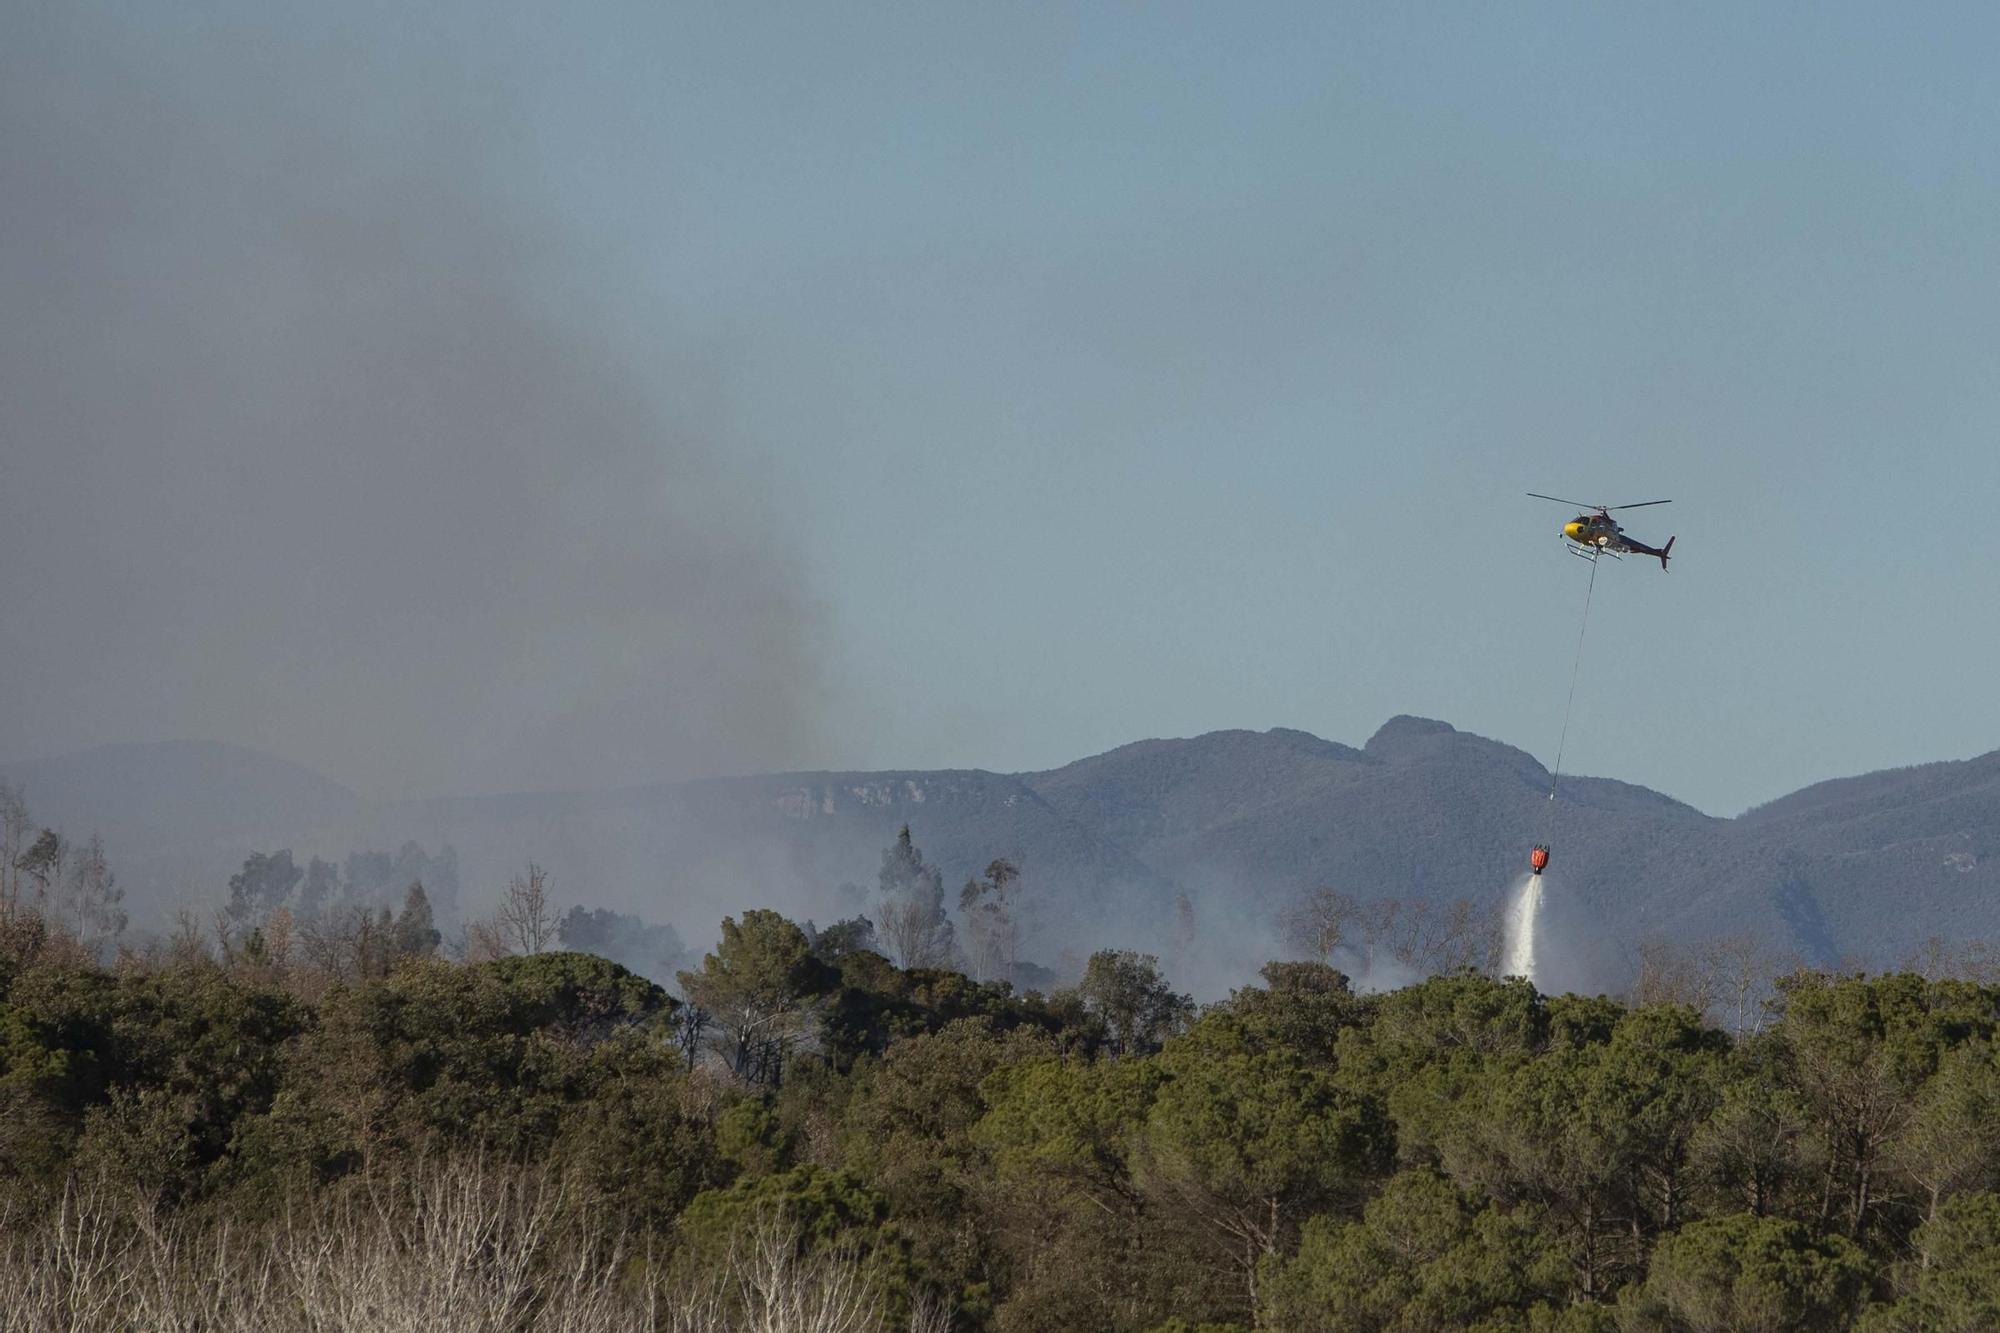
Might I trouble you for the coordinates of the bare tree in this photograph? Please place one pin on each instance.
(16, 836)
(187, 945)
(1740, 971)
(527, 921)
(1938, 958)
(1672, 973)
(1728, 978)
(1415, 933)
(89, 903)
(1319, 923)
(911, 920)
(1431, 938)
(348, 942)
(992, 937)
(768, 1281)
(279, 937)
(484, 942)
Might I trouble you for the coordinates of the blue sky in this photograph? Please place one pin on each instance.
(1094, 373)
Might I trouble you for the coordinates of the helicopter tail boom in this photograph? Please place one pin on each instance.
(1659, 553)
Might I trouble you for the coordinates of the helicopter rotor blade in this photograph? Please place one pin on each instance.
(1602, 509)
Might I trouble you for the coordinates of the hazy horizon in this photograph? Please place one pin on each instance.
(1357, 742)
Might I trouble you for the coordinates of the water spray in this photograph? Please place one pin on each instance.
(1518, 951)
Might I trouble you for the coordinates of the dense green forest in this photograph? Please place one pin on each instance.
(230, 1131)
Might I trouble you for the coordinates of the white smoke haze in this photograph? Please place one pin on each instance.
(1374, 975)
(1210, 946)
(321, 438)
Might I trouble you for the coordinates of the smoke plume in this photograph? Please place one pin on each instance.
(325, 433)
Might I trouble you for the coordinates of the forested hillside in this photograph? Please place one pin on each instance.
(227, 1134)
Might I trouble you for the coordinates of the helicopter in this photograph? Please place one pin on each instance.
(1596, 533)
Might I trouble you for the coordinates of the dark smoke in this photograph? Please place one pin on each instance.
(322, 431)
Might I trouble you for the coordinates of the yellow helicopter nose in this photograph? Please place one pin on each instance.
(1573, 531)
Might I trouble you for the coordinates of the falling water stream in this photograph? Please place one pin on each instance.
(1522, 910)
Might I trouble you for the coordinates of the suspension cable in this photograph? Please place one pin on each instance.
(1576, 669)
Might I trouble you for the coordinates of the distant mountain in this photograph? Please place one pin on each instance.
(1867, 867)
(1423, 810)
(179, 789)
(177, 816)
(1235, 823)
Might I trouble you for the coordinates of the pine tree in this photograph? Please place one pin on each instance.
(912, 920)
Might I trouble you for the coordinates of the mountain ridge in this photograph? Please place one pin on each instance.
(1235, 822)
